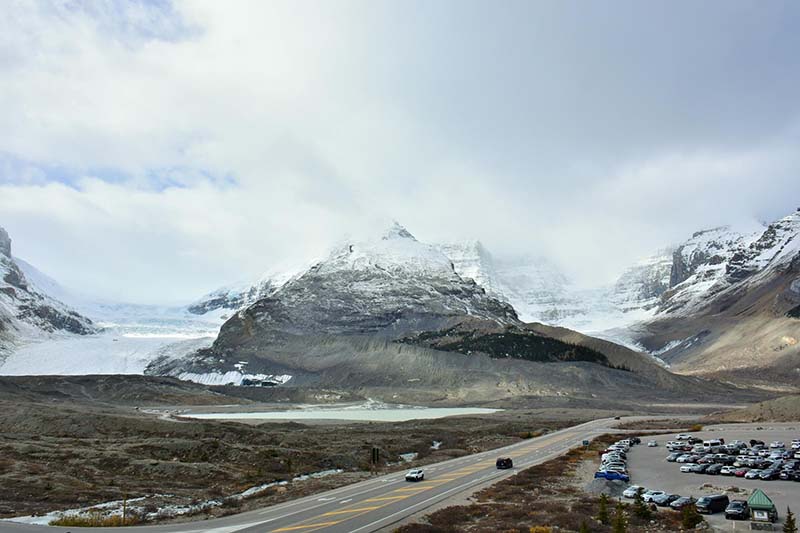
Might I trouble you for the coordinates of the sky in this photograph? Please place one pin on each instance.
(152, 151)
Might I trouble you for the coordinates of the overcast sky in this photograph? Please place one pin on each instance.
(153, 151)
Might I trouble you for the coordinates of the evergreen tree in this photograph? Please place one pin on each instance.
(640, 509)
(691, 518)
(620, 520)
(790, 526)
(602, 512)
(584, 528)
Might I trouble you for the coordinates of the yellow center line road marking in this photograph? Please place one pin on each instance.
(307, 526)
(346, 511)
(388, 498)
(413, 489)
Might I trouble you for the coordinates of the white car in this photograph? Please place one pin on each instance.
(652, 444)
(687, 467)
(631, 491)
(415, 475)
(683, 458)
(796, 444)
(683, 436)
(727, 470)
(753, 474)
(777, 444)
(650, 494)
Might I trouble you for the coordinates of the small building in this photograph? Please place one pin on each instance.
(762, 509)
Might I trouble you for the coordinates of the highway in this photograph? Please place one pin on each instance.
(377, 503)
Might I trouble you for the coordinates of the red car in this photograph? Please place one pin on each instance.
(741, 472)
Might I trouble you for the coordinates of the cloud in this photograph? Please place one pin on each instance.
(154, 150)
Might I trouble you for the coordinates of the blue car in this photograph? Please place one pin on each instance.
(612, 475)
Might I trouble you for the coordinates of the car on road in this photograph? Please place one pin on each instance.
(650, 494)
(631, 491)
(652, 443)
(503, 463)
(415, 475)
(712, 504)
(737, 510)
(682, 502)
(665, 500)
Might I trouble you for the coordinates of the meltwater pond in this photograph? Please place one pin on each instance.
(365, 412)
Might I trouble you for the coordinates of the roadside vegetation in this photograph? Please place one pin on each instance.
(547, 498)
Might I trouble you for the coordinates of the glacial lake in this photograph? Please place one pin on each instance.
(357, 413)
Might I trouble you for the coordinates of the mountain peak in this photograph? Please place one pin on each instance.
(397, 231)
(5, 243)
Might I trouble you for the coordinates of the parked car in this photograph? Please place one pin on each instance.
(777, 444)
(683, 436)
(741, 472)
(737, 510)
(415, 475)
(665, 500)
(671, 458)
(768, 475)
(753, 474)
(727, 470)
(611, 475)
(699, 469)
(687, 467)
(650, 494)
(714, 470)
(682, 502)
(631, 491)
(712, 504)
(503, 463)
(652, 444)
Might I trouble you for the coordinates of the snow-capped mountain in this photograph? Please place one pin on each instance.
(27, 313)
(733, 305)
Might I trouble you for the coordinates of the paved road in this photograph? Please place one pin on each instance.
(380, 502)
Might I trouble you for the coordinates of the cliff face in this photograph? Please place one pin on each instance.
(25, 312)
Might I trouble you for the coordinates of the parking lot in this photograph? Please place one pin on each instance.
(647, 467)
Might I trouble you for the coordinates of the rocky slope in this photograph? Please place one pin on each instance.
(26, 313)
(392, 318)
(731, 309)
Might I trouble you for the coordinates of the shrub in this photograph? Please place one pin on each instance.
(695, 428)
(95, 519)
(790, 526)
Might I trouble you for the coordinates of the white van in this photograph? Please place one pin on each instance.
(712, 446)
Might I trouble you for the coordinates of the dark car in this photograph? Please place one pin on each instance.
(713, 470)
(699, 469)
(503, 463)
(786, 475)
(695, 440)
(737, 510)
(712, 504)
(770, 474)
(664, 500)
(682, 502)
(796, 476)
(636, 440)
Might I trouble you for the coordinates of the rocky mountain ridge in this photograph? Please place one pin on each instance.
(27, 313)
